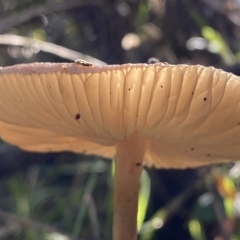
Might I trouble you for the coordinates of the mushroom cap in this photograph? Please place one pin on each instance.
(188, 115)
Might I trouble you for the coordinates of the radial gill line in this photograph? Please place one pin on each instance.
(167, 102)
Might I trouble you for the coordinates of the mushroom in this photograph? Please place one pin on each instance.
(159, 115)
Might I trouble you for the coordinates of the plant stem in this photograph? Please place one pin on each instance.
(129, 159)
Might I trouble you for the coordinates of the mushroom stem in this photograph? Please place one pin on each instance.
(129, 159)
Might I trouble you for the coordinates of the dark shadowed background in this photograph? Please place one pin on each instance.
(63, 196)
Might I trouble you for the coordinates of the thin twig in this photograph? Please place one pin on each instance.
(219, 212)
(93, 216)
(27, 14)
(26, 222)
(63, 52)
(8, 229)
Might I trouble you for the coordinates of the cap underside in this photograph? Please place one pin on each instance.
(189, 115)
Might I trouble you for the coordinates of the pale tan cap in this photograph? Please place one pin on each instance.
(189, 115)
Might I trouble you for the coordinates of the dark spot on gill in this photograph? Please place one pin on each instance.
(192, 149)
(77, 116)
(208, 155)
(161, 86)
(192, 93)
(205, 99)
(138, 164)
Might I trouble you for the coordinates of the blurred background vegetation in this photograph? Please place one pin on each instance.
(64, 196)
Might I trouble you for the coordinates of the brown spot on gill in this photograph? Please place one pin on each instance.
(77, 116)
